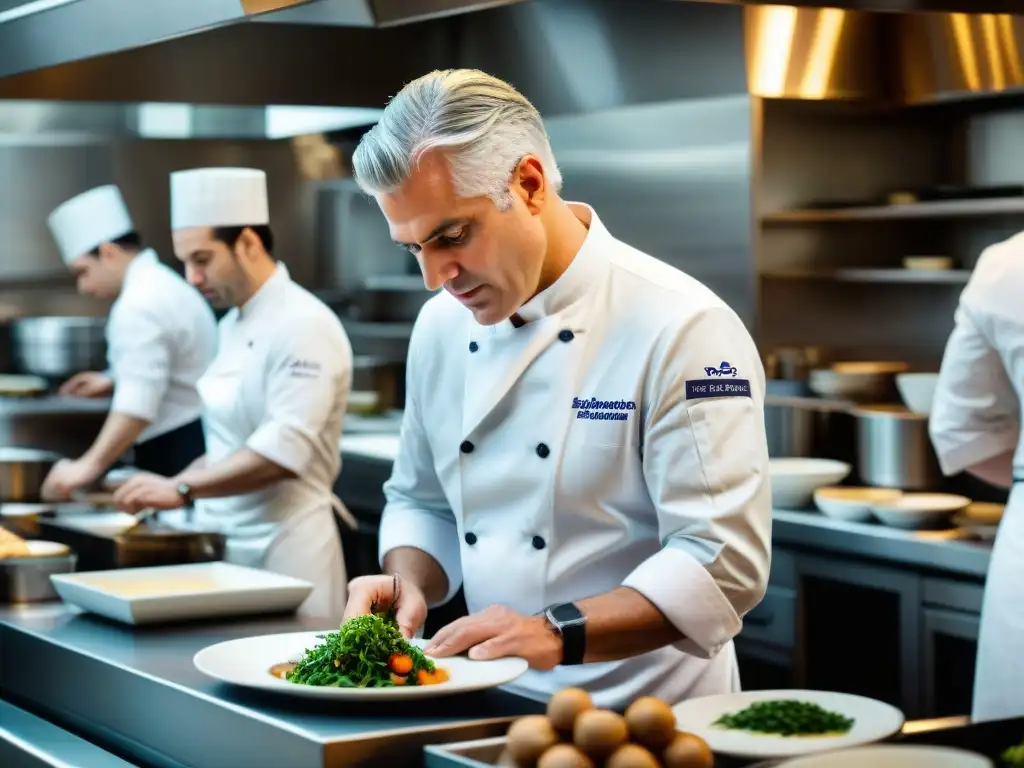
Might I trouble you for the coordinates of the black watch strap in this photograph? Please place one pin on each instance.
(185, 491)
(568, 620)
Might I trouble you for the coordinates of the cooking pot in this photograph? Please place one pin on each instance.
(22, 472)
(59, 347)
(894, 449)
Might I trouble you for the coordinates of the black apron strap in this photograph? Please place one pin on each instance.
(171, 452)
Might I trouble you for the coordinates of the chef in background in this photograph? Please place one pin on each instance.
(273, 399)
(161, 336)
(975, 427)
(583, 446)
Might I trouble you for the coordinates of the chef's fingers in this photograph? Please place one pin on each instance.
(411, 612)
(366, 594)
(70, 386)
(462, 634)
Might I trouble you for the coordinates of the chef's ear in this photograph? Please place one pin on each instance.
(530, 183)
(248, 243)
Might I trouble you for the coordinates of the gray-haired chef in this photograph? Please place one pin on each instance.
(583, 446)
(273, 399)
(161, 336)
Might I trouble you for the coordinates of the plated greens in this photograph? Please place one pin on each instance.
(787, 717)
(366, 652)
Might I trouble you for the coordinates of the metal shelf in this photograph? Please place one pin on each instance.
(876, 275)
(937, 209)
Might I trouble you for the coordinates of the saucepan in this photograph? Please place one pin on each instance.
(22, 472)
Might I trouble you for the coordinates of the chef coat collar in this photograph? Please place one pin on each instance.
(144, 258)
(266, 294)
(574, 283)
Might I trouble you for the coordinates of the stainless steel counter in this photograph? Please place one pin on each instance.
(135, 692)
(51, 405)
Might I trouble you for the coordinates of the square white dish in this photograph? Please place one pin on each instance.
(181, 592)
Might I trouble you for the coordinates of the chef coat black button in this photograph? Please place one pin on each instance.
(250, 345)
(470, 538)
(566, 335)
(473, 346)
(539, 543)
(543, 451)
(466, 447)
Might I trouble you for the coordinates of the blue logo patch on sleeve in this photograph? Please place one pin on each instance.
(699, 388)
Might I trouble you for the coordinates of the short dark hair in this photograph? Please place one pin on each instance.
(229, 235)
(130, 241)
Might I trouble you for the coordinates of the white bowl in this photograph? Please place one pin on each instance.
(795, 480)
(857, 381)
(913, 511)
(917, 391)
(852, 504)
(893, 756)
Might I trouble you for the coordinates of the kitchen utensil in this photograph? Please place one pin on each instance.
(917, 391)
(851, 504)
(797, 425)
(22, 472)
(179, 592)
(101, 541)
(794, 481)
(894, 449)
(893, 756)
(247, 662)
(913, 511)
(27, 579)
(59, 347)
(140, 517)
(23, 519)
(857, 381)
(872, 721)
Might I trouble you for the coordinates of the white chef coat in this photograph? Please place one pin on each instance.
(161, 337)
(582, 452)
(976, 416)
(279, 386)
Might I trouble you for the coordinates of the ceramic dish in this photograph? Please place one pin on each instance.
(794, 480)
(913, 511)
(852, 504)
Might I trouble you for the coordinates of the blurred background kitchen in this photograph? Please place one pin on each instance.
(833, 173)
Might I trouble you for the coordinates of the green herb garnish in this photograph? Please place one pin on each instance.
(786, 718)
(358, 654)
(1013, 755)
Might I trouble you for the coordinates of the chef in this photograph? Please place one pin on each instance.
(273, 399)
(161, 336)
(975, 427)
(583, 446)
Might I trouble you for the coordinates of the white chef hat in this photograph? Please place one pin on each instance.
(88, 220)
(219, 197)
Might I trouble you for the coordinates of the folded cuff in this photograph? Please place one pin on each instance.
(285, 445)
(682, 589)
(137, 398)
(979, 448)
(404, 527)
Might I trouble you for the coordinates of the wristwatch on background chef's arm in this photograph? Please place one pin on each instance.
(568, 621)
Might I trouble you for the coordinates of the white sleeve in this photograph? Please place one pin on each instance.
(140, 361)
(705, 460)
(308, 380)
(417, 513)
(975, 412)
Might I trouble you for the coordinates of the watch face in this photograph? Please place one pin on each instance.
(566, 613)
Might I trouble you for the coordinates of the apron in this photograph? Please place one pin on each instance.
(288, 528)
(999, 674)
(170, 453)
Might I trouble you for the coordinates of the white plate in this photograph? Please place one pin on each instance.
(893, 756)
(247, 662)
(873, 721)
(181, 592)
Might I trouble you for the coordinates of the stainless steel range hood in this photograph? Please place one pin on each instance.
(35, 34)
(895, 6)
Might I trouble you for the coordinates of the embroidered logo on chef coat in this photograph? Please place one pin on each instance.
(304, 369)
(602, 410)
(723, 370)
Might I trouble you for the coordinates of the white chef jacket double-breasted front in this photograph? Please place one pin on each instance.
(279, 386)
(161, 336)
(616, 438)
(975, 416)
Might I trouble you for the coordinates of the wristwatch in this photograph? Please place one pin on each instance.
(185, 491)
(569, 622)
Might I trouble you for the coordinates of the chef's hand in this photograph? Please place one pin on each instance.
(368, 594)
(66, 477)
(87, 384)
(146, 491)
(497, 632)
